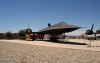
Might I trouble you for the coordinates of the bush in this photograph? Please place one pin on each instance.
(21, 34)
(8, 35)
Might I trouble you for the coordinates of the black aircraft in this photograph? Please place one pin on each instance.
(90, 32)
(98, 32)
(58, 29)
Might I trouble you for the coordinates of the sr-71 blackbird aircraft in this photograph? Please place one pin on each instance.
(52, 30)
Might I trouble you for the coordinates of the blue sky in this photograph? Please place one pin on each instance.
(16, 14)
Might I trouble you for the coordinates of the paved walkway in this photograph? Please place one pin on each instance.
(71, 43)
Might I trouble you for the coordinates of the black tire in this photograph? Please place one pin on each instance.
(33, 39)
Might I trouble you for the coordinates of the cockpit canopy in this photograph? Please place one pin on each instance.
(28, 31)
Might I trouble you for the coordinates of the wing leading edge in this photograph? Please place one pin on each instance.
(61, 27)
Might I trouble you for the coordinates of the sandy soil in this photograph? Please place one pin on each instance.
(65, 43)
(26, 53)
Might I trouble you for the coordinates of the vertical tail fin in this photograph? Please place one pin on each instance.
(92, 26)
(49, 24)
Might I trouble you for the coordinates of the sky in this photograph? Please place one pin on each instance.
(17, 14)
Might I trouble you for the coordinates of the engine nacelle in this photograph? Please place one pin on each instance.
(89, 32)
(98, 31)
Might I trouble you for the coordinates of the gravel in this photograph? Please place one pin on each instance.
(25, 53)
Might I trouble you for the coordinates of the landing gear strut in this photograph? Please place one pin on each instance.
(53, 37)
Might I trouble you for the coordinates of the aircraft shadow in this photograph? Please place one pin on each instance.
(63, 42)
(66, 42)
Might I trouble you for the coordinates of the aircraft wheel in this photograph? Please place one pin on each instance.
(53, 39)
(42, 38)
(33, 39)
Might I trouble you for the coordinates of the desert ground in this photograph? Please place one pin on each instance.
(20, 51)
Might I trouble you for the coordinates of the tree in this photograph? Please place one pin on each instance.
(21, 34)
(8, 35)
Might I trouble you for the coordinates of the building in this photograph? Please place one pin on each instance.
(1, 35)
